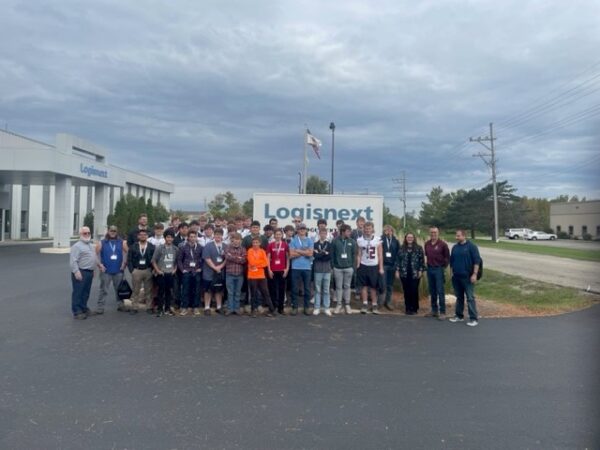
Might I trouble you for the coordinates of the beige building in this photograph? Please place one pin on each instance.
(576, 218)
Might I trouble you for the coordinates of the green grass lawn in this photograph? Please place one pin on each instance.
(535, 296)
(573, 253)
(531, 294)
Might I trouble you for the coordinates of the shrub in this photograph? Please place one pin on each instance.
(562, 235)
(587, 237)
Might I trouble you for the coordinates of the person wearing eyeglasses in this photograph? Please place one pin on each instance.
(82, 261)
(112, 260)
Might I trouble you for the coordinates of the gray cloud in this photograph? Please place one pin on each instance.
(215, 96)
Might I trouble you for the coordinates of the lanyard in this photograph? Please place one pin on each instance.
(192, 251)
(389, 243)
(322, 245)
(143, 253)
(113, 247)
(219, 250)
(278, 249)
(345, 243)
(300, 241)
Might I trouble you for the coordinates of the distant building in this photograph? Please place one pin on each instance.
(576, 218)
(46, 190)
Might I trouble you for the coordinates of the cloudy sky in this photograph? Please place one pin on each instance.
(215, 95)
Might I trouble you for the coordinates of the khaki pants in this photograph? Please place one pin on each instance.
(141, 279)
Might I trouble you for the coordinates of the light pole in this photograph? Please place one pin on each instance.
(299, 182)
(332, 128)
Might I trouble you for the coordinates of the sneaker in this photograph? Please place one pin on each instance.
(338, 309)
(441, 316)
(160, 314)
(316, 312)
(196, 311)
(227, 313)
(306, 312)
(472, 323)
(207, 312)
(327, 312)
(388, 307)
(348, 309)
(364, 309)
(294, 311)
(183, 312)
(270, 313)
(121, 308)
(431, 314)
(90, 313)
(281, 312)
(168, 312)
(376, 310)
(80, 316)
(456, 319)
(219, 310)
(254, 314)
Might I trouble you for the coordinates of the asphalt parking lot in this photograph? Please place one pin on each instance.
(140, 382)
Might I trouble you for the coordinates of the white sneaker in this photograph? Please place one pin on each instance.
(196, 311)
(183, 312)
(456, 319)
(472, 323)
(327, 312)
(338, 309)
(348, 309)
(316, 311)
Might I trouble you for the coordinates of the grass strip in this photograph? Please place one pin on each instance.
(572, 253)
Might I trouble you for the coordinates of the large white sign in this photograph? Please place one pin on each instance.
(314, 207)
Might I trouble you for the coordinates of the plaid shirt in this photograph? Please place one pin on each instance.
(235, 259)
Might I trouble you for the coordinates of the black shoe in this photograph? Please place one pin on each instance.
(121, 308)
(219, 310)
(388, 307)
(306, 312)
(281, 312)
(254, 314)
(149, 311)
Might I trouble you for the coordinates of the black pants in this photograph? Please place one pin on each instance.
(165, 291)
(277, 290)
(410, 286)
(260, 286)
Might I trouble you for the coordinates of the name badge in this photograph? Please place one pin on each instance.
(192, 264)
(344, 256)
(113, 257)
(277, 262)
(142, 262)
(168, 266)
(388, 254)
(219, 259)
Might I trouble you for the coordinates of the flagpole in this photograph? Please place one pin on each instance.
(305, 171)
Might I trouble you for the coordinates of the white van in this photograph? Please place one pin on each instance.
(517, 233)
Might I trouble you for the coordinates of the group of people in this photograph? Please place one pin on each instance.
(186, 269)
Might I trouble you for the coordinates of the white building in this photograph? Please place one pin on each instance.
(47, 190)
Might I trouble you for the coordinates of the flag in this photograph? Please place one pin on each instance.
(313, 142)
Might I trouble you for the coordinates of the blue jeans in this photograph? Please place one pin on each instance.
(435, 280)
(463, 286)
(234, 291)
(322, 281)
(190, 295)
(301, 276)
(81, 291)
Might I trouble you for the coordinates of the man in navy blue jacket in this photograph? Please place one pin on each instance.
(464, 262)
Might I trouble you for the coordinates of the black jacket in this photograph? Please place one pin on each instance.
(391, 249)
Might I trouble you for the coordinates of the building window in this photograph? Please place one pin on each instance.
(76, 223)
(597, 230)
(558, 230)
(583, 229)
(129, 188)
(44, 223)
(7, 222)
(570, 230)
(137, 191)
(24, 224)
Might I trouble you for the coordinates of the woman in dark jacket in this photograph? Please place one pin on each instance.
(410, 267)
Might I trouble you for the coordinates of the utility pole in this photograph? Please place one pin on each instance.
(332, 128)
(402, 183)
(490, 160)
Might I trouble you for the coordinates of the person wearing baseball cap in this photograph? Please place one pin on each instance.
(112, 260)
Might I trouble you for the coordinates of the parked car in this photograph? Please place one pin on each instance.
(540, 236)
(516, 233)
